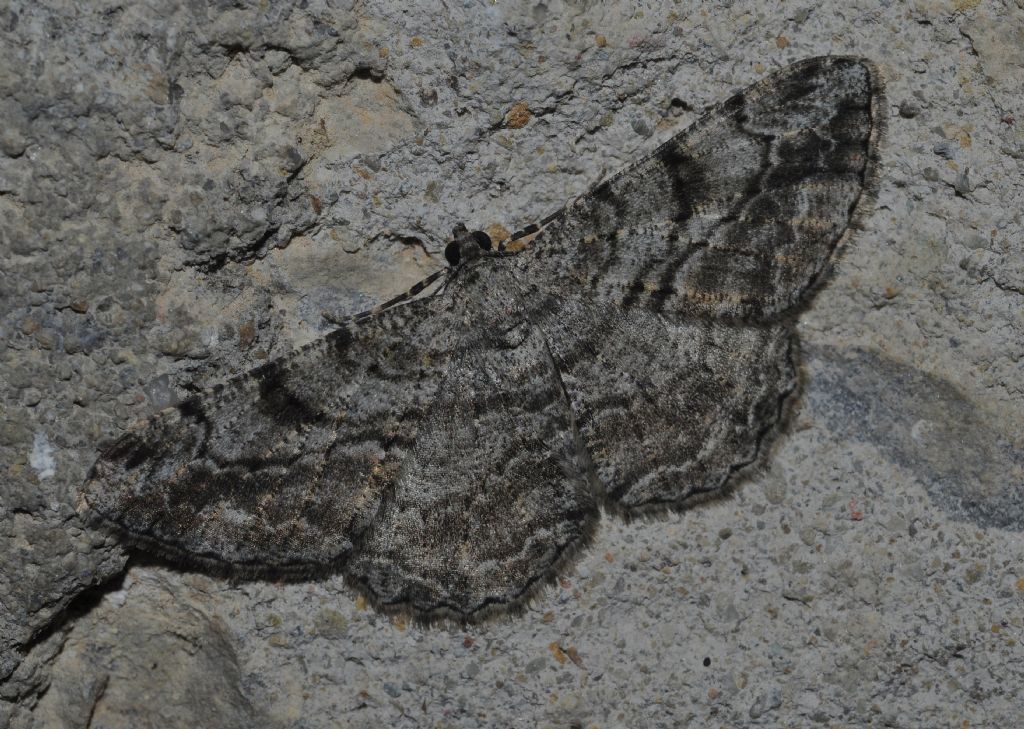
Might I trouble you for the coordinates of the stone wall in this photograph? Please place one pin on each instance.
(185, 186)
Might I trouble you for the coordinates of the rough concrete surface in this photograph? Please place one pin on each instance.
(185, 186)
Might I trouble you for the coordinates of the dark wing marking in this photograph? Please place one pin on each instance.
(427, 451)
(495, 495)
(663, 291)
(666, 410)
(737, 216)
(280, 469)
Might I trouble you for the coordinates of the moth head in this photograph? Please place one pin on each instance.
(466, 245)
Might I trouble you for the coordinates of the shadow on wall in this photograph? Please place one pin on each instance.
(967, 462)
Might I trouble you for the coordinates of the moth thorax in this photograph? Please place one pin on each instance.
(466, 245)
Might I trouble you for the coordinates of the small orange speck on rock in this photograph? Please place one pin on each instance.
(548, 617)
(399, 622)
(713, 693)
(382, 52)
(415, 41)
(278, 641)
(557, 652)
(498, 232)
(360, 602)
(608, 557)
(467, 642)
(601, 41)
(518, 116)
(782, 41)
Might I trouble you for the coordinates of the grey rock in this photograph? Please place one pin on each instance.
(641, 127)
(145, 169)
(909, 109)
(945, 149)
(766, 702)
(134, 662)
(962, 185)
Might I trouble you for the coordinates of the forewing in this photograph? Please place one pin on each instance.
(495, 495)
(281, 468)
(737, 216)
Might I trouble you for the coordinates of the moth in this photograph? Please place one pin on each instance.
(450, 451)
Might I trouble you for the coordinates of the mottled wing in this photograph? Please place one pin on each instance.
(282, 468)
(667, 410)
(740, 214)
(664, 291)
(496, 493)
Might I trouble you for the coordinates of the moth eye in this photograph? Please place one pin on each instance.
(482, 239)
(451, 253)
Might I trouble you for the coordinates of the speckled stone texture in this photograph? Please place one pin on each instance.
(185, 186)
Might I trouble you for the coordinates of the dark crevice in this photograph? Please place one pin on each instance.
(76, 608)
(367, 73)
